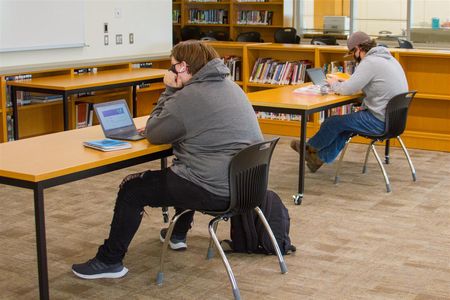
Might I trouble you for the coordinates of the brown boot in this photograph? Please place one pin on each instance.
(313, 161)
(295, 145)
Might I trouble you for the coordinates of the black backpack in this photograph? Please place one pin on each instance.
(248, 234)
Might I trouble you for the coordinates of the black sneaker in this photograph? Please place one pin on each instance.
(94, 269)
(176, 242)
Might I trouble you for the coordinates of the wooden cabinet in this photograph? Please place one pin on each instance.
(227, 17)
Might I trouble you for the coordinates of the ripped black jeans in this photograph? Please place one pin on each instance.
(156, 189)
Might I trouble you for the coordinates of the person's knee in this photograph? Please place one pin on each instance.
(129, 192)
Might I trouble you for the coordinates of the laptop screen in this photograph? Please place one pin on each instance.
(317, 76)
(114, 115)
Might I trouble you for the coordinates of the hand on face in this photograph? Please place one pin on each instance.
(171, 79)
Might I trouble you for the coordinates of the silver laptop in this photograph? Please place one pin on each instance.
(317, 76)
(116, 120)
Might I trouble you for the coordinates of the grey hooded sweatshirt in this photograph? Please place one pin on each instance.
(380, 76)
(207, 122)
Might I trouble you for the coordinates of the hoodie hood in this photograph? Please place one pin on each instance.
(214, 70)
(380, 51)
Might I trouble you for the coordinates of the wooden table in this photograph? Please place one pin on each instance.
(284, 100)
(67, 85)
(54, 159)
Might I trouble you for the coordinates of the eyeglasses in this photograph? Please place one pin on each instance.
(173, 68)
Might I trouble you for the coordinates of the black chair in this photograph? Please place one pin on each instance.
(396, 115)
(218, 35)
(190, 33)
(324, 40)
(286, 35)
(250, 36)
(404, 44)
(248, 177)
(208, 38)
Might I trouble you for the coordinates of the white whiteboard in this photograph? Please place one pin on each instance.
(41, 24)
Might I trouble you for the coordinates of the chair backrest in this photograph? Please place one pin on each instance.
(250, 36)
(324, 40)
(190, 33)
(218, 35)
(404, 44)
(208, 38)
(286, 35)
(397, 113)
(249, 176)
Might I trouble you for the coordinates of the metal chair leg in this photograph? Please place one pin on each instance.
(210, 253)
(413, 171)
(261, 216)
(380, 163)
(367, 158)
(338, 167)
(160, 275)
(236, 293)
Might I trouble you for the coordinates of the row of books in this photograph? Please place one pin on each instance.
(205, 1)
(262, 115)
(85, 70)
(10, 127)
(347, 66)
(272, 71)
(142, 65)
(84, 114)
(337, 111)
(176, 16)
(255, 17)
(234, 64)
(209, 16)
(252, 0)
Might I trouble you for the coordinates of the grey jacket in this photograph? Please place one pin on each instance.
(380, 76)
(207, 122)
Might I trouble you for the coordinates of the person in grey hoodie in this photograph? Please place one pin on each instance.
(380, 77)
(207, 118)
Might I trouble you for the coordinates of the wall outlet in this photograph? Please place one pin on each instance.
(131, 38)
(106, 40)
(105, 28)
(118, 39)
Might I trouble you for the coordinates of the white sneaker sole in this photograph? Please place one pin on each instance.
(173, 246)
(103, 275)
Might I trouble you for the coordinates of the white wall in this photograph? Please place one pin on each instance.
(149, 21)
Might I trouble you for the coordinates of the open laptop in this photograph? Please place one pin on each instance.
(116, 120)
(317, 76)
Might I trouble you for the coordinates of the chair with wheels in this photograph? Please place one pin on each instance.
(190, 33)
(248, 178)
(324, 40)
(405, 44)
(396, 116)
(249, 36)
(286, 35)
(217, 35)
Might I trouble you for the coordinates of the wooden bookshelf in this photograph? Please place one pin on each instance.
(231, 26)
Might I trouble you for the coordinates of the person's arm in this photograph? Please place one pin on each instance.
(164, 126)
(356, 82)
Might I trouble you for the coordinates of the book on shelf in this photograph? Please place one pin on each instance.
(107, 145)
(254, 17)
(234, 64)
(141, 65)
(347, 67)
(208, 16)
(84, 113)
(44, 98)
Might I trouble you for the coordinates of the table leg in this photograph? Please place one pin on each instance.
(165, 209)
(15, 112)
(66, 110)
(386, 151)
(301, 165)
(41, 244)
(134, 102)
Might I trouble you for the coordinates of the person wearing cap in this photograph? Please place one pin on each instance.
(380, 77)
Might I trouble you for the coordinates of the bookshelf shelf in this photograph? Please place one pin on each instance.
(37, 105)
(275, 12)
